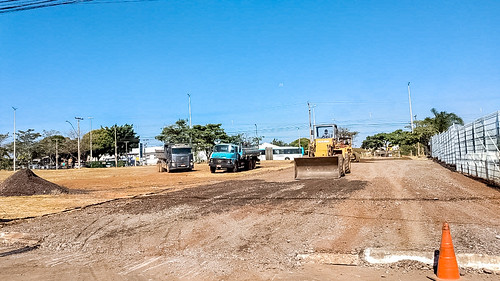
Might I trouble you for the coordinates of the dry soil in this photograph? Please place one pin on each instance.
(263, 225)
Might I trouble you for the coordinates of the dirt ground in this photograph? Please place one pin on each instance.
(93, 186)
(253, 225)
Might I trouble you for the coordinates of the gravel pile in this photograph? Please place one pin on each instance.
(25, 183)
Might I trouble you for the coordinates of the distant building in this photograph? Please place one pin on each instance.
(147, 156)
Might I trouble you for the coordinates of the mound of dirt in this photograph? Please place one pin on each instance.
(25, 182)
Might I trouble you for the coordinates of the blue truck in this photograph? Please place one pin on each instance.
(233, 157)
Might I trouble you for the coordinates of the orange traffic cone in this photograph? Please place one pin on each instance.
(447, 267)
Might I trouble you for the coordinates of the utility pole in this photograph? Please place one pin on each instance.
(78, 125)
(57, 155)
(15, 108)
(411, 114)
(256, 135)
(299, 135)
(190, 123)
(314, 114)
(310, 125)
(126, 150)
(189, 108)
(90, 118)
(116, 150)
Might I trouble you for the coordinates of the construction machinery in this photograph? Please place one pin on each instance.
(329, 155)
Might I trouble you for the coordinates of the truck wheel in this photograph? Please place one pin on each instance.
(212, 170)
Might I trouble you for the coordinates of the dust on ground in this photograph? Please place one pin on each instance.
(261, 225)
(94, 186)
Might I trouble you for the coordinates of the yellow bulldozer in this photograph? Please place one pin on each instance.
(329, 155)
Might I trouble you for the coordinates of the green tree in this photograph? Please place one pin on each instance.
(126, 138)
(380, 140)
(205, 137)
(5, 159)
(46, 147)
(176, 133)
(25, 146)
(103, 141)
(304, 142)
(422, 133)
(443, 120)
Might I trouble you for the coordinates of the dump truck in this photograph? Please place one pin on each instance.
(233, 157)
(175, 157)
(329, 155)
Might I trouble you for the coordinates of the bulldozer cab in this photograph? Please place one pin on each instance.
(325, 131)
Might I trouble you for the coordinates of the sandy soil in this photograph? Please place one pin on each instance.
(94, 186)
(262, 225)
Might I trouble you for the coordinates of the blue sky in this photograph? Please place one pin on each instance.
(247, 63)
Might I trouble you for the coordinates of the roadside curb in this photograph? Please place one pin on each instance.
(474, 261)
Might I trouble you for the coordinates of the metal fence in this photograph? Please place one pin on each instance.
(474, 149)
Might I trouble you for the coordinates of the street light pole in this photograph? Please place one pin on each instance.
(15, 108)
(75, 133)
(116, 150)
(78, 122)
(411, 114)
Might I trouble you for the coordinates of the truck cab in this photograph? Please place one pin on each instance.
(175, 157)
(225, 156)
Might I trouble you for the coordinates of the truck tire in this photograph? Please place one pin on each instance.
(212, 170)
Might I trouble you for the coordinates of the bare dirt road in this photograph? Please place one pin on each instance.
(265, 226)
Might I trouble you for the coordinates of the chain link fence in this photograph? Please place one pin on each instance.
(473, 149)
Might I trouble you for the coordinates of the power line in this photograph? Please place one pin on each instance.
(8, 6)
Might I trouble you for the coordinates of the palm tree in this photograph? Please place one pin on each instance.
(443, 120)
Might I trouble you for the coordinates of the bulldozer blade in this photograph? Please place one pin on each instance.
(318, 167)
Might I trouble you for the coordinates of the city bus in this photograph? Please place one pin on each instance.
(281, 153)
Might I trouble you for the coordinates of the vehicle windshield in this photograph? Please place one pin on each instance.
(324, 132)
(181, 150)
(223, 148)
